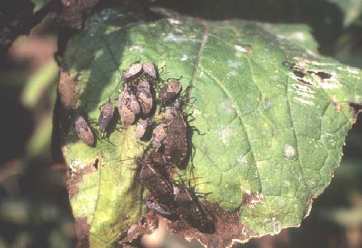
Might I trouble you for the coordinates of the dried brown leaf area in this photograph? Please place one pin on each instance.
(154, 229)
(74, 178)
(227, 228)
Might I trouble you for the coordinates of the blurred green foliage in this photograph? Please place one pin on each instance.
(38, 4)
(41, 83)
(352, 10)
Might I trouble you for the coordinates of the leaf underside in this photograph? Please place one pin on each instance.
(271, 114)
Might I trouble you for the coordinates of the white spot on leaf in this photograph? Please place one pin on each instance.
(267, 104)
(233, 64)
(289, 151)
(225, 135)
(171, 37)
(305, 90)
(242, 160)
(227, 106)
(298, 36)
(304, 101)
(240, 49)
(76, 165)
(277, 227)
(184, 57)
(350, 69)
(329, 85)
(174, 21)
(136, 48)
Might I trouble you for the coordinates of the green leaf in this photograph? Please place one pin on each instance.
(40, 140)
(38, 84)
(272, 116)
(352, 9)
(295, 33)
(39, 4)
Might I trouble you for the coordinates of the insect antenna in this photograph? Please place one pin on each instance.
(102, 137)
(123, 160)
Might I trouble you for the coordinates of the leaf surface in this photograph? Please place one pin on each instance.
(272, 117)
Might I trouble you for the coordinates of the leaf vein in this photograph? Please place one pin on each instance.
(238, 113)
(199, 53)
(294, 134)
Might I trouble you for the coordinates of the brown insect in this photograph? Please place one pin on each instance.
(83, 130)
(128, 107)
(106, 116)
(145, 96)
(171, 113)
(176, 144)
(192, 210)
(141, 128)
(149, 70)
(158, 135)
(159, 208)
(156, 159)
(170, 91)
(159, 186)
(134, 104)
(127, 116)
(144, 85)
(146, 101)
(132, 72)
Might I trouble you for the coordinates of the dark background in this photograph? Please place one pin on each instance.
(34, 207)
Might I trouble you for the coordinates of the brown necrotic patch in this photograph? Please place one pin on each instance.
(227, 228)
(322, 75)
(301, 73)
(298, 73)
(252, 199)
(73, 179)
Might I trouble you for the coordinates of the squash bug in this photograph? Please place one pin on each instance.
(127, 116)
(192, 210)
(84, 132)
(132, 72)
(128, 107)
(161, 209)
(158, 135)
(170, 91)
(170, 113)
(144, 85)
(145, 100)
(156, 159)
(134, 104)
(156, 183)
(149, 70)
(176, 143)
(145, 96)
(141, 128)
(106, 116)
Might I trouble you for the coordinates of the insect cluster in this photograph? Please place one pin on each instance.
(161, 121)
(135, 102)
(170, 148)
